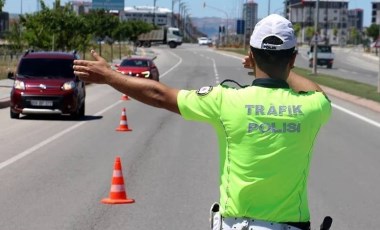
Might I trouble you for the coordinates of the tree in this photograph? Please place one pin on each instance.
(297, 28)
(60, 28)
(137, 28)
(14, 35)
(373, 31)
(121, 34)
(2, 3)
(49, 28)
(309, 33)
(354, 36)
(82, 37)
(101, 25)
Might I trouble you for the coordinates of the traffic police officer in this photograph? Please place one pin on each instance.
(266, 131)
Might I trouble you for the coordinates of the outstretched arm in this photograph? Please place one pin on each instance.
(144, 90)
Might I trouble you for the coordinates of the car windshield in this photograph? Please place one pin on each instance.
(135, 63)
(322, 49)
(49, 68)
(178, 33)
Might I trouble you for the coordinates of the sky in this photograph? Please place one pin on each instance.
(217, 8)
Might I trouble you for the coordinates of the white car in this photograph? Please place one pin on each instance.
(204, 41)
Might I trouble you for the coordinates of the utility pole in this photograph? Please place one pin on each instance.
(154, 12)
(215, 8)
(316, 37)
(378, 74)
(173, 1)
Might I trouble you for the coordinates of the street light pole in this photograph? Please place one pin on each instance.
(212, 7)
(154, 12)
(268, 7)
(180, 8)
(173, 2)
(315, 38)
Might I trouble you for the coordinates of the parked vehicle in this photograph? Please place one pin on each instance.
(44, 83)
(325, 56)
(166, 35)
(143, 67)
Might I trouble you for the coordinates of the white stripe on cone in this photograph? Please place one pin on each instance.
(117, 173)
(117, 188)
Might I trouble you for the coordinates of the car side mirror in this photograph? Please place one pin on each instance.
(308, 52)
(11, 75)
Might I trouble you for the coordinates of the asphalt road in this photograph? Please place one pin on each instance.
(55, 171)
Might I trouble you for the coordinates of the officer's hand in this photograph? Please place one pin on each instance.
(96, 71)
(248, 61)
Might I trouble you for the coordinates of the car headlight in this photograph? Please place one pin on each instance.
(19, 85)
(70, 85)
(146, 73)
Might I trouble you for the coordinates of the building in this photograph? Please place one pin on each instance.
(332, 20)
(375, 12)
(250, 17)
(108, 4)
(149, 14)
(355, 19)
(81, 7)
(155, 15)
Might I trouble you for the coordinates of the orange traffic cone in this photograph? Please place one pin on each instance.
(124, 97)
(123, 122)
(117, 194)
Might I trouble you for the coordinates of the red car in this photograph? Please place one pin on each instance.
(44, 83)
(142, 67)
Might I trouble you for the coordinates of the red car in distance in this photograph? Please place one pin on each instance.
(142, 67)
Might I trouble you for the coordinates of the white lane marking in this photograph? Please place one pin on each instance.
(58, 135)
(49, 140)
(215, 71)
(360, 117)
(173, 67)
(232, 56)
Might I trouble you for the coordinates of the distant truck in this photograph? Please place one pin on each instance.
(166, 35)
(325, 56)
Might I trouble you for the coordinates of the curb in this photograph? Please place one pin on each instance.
(369, 104)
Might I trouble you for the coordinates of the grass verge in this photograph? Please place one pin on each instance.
(349, 86)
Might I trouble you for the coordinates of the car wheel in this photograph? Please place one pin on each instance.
(156, 78)
(14, 115)
(79, 113)
(82, 110)
(329, 66)
(147, 44)
(172, 45)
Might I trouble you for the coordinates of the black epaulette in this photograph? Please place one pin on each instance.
(226, 85)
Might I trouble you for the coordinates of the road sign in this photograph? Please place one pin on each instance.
(240, 27)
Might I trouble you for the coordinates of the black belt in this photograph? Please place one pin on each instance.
(300, 225)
